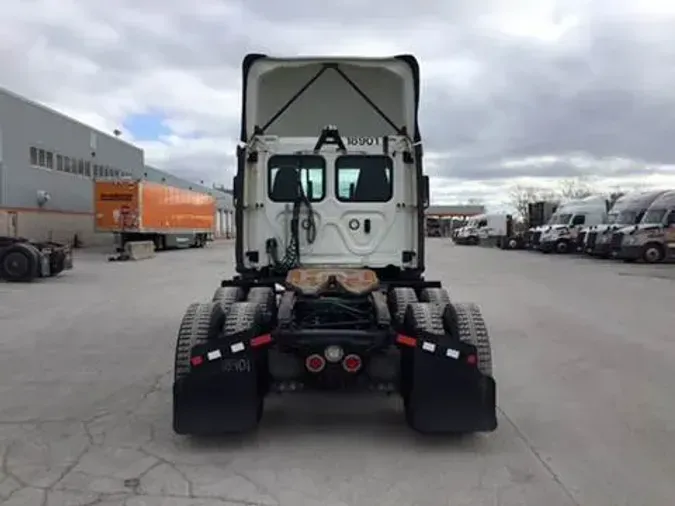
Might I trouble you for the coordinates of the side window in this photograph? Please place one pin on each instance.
(364, 178)
(579, 219)
(33, 156)
(482, 223)
(283, 174)
(59, 163)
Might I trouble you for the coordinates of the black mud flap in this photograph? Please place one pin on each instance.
(218, 396)
(448, 396)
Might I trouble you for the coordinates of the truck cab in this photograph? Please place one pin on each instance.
(628, 210)
(335, 185)
(468, 234)
(492, 228)
(653, 239)
(562, 234)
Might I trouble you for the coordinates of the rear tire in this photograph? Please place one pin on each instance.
(265, 300)
(653, 253)
(399, 300)
(438, 296)
(194, 329)
(227, 295)
(19, 263)
(562, 247)
(472, 329)
(247, 317)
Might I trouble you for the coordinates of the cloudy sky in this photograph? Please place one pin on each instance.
(514, 91)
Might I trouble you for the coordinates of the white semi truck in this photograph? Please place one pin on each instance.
(330, 293)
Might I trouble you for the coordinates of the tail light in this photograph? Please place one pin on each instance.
(315, 363)
(352, 363)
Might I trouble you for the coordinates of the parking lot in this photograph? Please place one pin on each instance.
(584, 362)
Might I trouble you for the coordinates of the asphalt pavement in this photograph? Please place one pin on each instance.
(584, 360)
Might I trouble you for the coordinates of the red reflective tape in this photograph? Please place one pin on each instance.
(406, 340)
(472, 359)
(261, 340)
(195, 361)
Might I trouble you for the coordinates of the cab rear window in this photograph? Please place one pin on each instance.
(364, 178)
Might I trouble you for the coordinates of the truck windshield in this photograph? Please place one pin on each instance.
(654, 216)
(283, 173)
(363, 178)
(560, 219)
(628, 217)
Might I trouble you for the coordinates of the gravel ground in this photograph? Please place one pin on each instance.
(583, 359)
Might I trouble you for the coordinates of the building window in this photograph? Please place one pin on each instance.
(80, 167)
(42, 158)
(87, 169)
(50, 160)
(59, 163)
(33, 156)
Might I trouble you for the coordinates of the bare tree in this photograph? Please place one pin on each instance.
(520, 196)
(571, 189)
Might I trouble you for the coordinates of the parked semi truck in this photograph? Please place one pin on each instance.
(563, 235)
(330, 294)
(539, 216)
(468, 234)
(653, 239)
(493, 228)
(138, 210)
(628, 210)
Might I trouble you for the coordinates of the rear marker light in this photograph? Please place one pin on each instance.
(261, 340)
(427, 346)
(195, 361)
(237, 347)
(351, 363)
(450, 353)
(472, 360)
(315, 363)
(213, 355)
(406, 340)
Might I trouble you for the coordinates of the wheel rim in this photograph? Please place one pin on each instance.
(652, 254)
(562, 247)
(15, 264)
(512, 243)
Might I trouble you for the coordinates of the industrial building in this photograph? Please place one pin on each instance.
(48, 163)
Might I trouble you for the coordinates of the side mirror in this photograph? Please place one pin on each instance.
(426, 193)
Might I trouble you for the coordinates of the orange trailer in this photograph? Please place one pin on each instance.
(143, 210)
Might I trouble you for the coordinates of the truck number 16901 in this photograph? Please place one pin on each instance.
(363, 141)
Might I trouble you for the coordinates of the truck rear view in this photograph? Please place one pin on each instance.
(171, 217)
(330, 295)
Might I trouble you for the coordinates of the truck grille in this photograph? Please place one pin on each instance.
(617, 239)
(590, 242)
